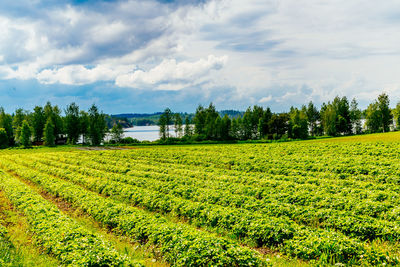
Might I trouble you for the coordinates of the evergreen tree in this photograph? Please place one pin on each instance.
(162, 123)
(211, 116)
(200, 120)
(256, 114)
(234, 133)
(18, 118)
(240, 135)
(247, 125)
(217, 128)
(84, 125)
(225, 128)
(168, 120)
(38, 122)
(26, 134)
(6, 123)
(3, 138)
(48, 133)
(72, 123)
(263, 123)
(342, 110)
(279, 124)
(54, 113)
(210, 126)
(97, 125)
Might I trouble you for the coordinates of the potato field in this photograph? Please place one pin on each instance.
(327, 201)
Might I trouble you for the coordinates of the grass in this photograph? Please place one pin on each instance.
(26, 253)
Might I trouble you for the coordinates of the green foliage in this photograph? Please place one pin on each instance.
(278, 125)
(97, 126)
(164, 122)
(84, 125)
(117, 133)
(72, 123)
(378, 115)
(6, 123)
(298, 124)
(9, 256)
(263, 123)
(26, 134)
(200, 120)
(188, 131)
(258, 195)
(396, 116)
(129, 140)
(256, 123)
(225, 128)
(38, 121)
(54, 113)
(313, 116)
(3, 138)
(178, 125)
(385, 112)
(179, 245)
(336, 118)
(18, 118)
(58, 234)
(48, 133)
(355, 117)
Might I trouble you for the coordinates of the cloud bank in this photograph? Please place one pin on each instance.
(182, 53)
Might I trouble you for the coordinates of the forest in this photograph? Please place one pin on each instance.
(49, 125)
(335, 118)
(46, 125)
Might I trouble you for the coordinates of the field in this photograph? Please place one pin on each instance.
(328, 201)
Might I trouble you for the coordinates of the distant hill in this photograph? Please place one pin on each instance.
(231, 113)
(145, 119)
(110, 120)
(136, 115)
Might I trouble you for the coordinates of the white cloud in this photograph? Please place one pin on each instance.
(274, 47)
(265, 99)
(79, 75)
(172, 75)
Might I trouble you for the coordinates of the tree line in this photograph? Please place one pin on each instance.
(335, 118)
(47, 125)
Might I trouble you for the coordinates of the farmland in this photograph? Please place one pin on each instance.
(323, 201)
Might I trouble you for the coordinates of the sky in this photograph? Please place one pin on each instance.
(130, 56)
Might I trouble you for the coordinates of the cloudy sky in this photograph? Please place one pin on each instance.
(143, 56)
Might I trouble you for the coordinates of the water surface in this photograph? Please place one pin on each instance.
(146, 133)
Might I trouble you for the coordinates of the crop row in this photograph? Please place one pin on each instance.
(8, 254)
(291, 158)
(57, 233)
(360, 226)
(263, 230)
(325, 194)
(180, 245)
(253, 178)
(283, 174)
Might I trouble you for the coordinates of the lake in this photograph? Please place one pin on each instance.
(149, 133)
